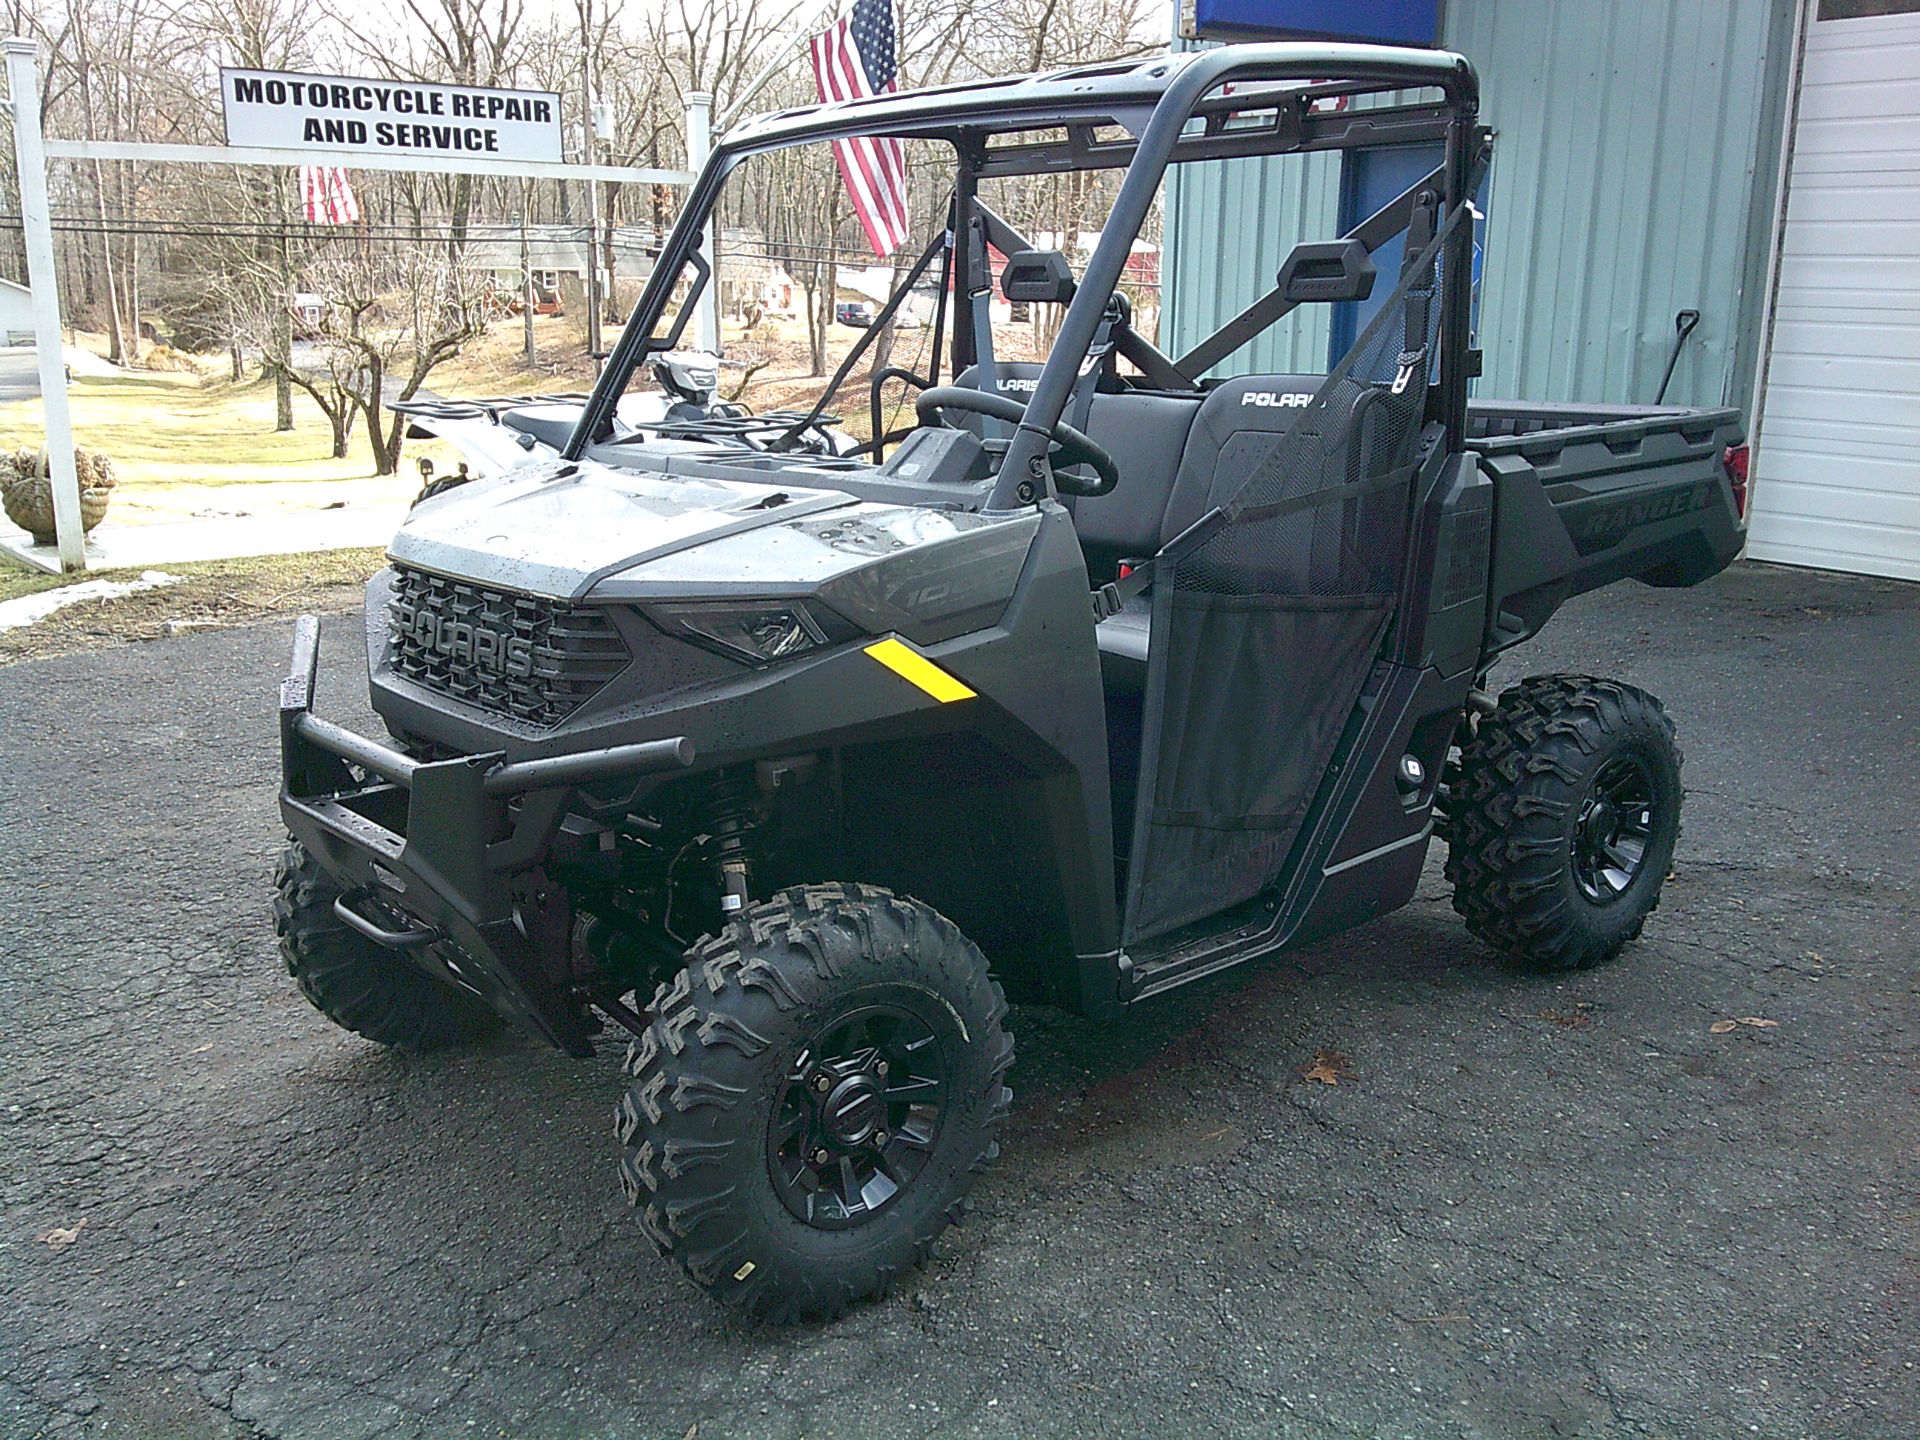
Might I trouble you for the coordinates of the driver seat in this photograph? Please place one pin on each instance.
(1222, 444)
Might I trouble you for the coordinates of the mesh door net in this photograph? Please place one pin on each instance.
(1267, 616)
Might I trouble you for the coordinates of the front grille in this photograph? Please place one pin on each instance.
(535, 660)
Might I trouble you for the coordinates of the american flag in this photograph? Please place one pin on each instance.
(325, 196)
(855, 58)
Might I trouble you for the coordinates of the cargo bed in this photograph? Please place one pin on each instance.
(1589, 494)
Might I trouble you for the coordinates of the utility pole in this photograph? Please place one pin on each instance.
(530, 354)
(701, 123)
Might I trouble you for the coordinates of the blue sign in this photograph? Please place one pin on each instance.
(1392, 22)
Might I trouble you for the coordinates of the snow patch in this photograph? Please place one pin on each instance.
(31, 608)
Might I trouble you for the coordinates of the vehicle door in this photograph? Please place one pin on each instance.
(1270, 610)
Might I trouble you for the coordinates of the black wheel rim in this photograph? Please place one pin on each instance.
(858, 1116)
(1614, 829)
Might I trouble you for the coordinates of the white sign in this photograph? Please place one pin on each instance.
(342, 112)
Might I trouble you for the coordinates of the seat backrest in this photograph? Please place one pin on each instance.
(1339, 548)
(1146, 432)
(1013, 379)
(1229, 436)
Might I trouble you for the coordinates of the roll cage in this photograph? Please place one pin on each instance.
(1142, 117)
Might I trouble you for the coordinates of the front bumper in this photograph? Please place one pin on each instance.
(453, 848)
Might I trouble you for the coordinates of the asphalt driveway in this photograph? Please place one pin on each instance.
(19, 373)
(1560, 1207)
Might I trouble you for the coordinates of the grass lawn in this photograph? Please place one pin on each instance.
(166, 429)
(175, 437)
(495, 363)
(185, 446)
(212, 593)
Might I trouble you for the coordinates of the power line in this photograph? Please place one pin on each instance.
(221, 229)
(783, 252)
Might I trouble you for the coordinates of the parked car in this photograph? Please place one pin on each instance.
(854, 313)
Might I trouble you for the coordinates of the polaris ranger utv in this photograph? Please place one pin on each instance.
(1105, 674)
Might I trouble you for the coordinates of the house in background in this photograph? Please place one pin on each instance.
(16, 314)
(1756, 161)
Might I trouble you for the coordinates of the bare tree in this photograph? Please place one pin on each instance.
(794, 200)
(335, 386)
(392, 316)
(263, 35)
(462, 42)
(80, 27)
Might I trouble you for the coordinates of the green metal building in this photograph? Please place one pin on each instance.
(1635, 175)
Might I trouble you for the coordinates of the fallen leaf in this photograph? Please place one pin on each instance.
(62, 1236)
(1574, 1019)
(1758, 1023)
(1723, 1027)
(201, 1049)
(1329, 1067)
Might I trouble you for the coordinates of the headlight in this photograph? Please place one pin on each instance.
(759, 632)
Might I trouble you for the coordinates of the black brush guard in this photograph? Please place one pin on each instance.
(441, 861)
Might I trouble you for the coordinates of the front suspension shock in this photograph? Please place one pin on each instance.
(731, 823)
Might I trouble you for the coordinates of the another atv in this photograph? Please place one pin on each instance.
(1101, 676)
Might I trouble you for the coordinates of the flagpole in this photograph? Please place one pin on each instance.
(774, 66)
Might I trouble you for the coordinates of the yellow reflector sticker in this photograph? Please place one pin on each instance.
(910, 665)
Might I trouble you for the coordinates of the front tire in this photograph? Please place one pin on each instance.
(813, 1098)
(1563, 816)
(361, 986)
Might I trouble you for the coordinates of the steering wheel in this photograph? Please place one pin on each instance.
(1071, 446)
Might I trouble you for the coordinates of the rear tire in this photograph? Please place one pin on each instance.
(813, 1098)
(1562, 820)
(361, 986)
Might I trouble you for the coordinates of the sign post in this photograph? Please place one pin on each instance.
(36, 223)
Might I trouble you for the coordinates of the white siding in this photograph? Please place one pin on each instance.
(1837, 458)
(16, 314)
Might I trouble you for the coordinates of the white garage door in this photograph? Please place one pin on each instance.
(1837, 462)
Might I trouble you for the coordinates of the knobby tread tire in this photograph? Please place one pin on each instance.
(706, 1074)
(360, 986)
(1512, 803)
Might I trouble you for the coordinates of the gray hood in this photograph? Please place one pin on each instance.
(555, 529)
